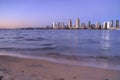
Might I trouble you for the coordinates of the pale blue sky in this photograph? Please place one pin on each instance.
(24, 13)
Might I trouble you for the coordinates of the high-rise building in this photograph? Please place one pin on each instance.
(104, 25)
(62, 25)
(92, 26)
(77, 23)
(111, 23)
(59, 25)
(89, 24)
(53, 25)
(83, 25)
(70, 23)
(108, 25)
(117, 23)
(97, 26)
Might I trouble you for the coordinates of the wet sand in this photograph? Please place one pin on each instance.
(13, 68)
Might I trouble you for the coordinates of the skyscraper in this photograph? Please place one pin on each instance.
(111, 23)
(105, 25)
(62, 25)
(70, 23)
(108, 25)
(117, 23)
(59, 25)
(53, 25)
(77, 23)
(92, 26)
(83, 25)
(89, 24)
(97, 26)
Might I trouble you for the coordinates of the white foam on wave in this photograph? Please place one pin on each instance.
(88, 63)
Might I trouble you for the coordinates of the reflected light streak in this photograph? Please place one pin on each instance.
(105, 42)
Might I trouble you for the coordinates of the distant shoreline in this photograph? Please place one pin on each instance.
(53, 29)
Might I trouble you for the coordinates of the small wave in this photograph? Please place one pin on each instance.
(16, 49)
(25, 49)
(103, 57)
(34, 39)
(63, 56)
(48, 48)
(53, 53)
(39, 38)
(2, 38)
(47, 44)
(8, 49)
(18, 37)
(117, 57)
(92, 41)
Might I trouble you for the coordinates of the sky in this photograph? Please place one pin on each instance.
(41, 13)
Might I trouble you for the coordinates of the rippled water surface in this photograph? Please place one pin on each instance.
(73, 44)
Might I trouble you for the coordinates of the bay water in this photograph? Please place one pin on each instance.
(96, 48)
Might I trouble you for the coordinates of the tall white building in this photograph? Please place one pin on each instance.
(53, 25)
(108, 25)
(111, 23)
(97, 25)
(104, 25)
(77, 25)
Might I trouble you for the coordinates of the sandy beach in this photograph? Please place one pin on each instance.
(13, 68)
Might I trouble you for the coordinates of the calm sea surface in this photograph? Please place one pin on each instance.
(97, 47)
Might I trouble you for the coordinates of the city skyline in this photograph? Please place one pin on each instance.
(40, 13)
(111, 24)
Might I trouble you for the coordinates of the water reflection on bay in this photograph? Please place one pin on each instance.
(105, 42)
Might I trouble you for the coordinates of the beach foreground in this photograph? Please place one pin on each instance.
(13, 68)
